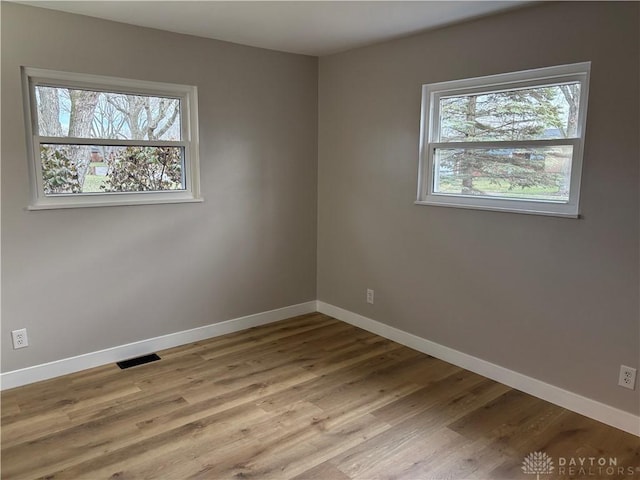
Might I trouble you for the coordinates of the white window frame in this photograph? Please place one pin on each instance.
(429, 131)
(188, 96)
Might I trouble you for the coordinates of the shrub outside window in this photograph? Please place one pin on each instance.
(98, 141)
(510, 142)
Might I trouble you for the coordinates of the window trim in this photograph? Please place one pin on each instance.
(429, 128)
(188, 95)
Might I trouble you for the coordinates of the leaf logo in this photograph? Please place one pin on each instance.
(537, 463)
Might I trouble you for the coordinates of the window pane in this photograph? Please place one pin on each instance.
(548, 112)
(68, 169)
(65, 112)
(525, 173)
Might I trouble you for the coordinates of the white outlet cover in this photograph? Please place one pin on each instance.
(20, 339)
(627, 377)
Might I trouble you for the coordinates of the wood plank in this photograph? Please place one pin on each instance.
(400, 453)
(323, 471)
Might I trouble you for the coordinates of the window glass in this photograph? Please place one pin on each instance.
(547, 112)
(68, 112)
(99, 141)
(507, 142)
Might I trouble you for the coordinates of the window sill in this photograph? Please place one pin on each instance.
(529, 210)
(48, 205)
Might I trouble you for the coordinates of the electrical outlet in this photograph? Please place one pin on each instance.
(20, 339)
(627, 377)
(369, 296)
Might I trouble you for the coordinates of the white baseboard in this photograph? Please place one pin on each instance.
(64, 366)
(571, 401)
(585, 406)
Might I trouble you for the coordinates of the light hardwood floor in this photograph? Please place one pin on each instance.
(307, 398)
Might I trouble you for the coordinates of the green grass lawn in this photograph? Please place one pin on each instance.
(92, 183)
(483, 184)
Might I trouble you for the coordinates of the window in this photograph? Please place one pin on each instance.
(96, 141)
(510, 142)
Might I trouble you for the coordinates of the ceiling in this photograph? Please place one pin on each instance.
(305, 27)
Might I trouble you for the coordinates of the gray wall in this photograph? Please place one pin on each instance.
(552, 298)
(556, 299)
(86, 279)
